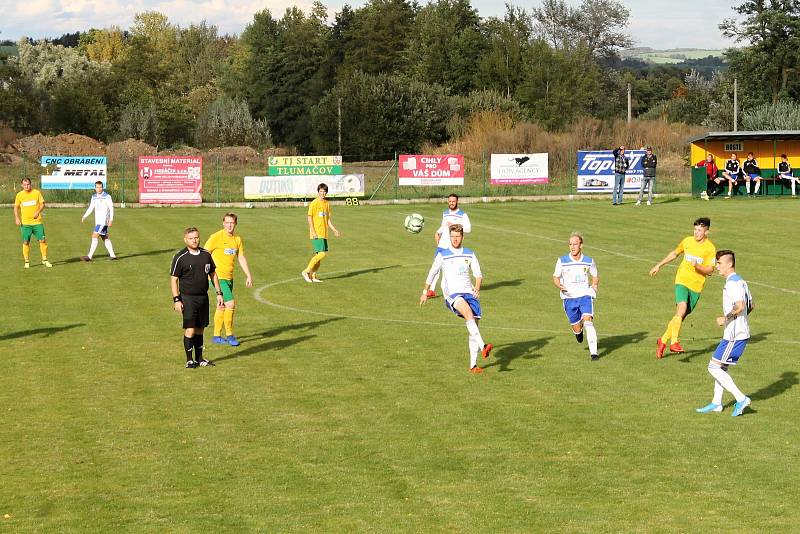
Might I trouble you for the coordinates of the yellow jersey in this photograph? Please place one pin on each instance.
(703, 253)
(28, 203)
(320, 212)
(224, 249)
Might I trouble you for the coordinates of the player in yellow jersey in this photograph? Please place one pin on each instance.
(225, 247)
(699, 258)
(28, 208)
(319, 220)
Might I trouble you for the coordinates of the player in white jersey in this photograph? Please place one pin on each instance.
(571, 277)
(737, 303)
(461, 296)
(452, 215)
(103, 208)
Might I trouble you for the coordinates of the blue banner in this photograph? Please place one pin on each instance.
(596, 171)
(74, 172)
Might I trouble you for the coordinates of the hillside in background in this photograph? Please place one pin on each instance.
(672, 56)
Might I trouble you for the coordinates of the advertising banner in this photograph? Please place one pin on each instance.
(74, 172)
(267, 187)
(170, 179)
(513, 169)
(304, 165)
(430, 170)
(596, 171)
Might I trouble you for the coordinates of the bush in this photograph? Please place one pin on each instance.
(227, 122)
(781, 115)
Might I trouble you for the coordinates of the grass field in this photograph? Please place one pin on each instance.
(349, 408)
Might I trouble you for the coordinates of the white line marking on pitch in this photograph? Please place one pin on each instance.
(262, 300)
(615, 253)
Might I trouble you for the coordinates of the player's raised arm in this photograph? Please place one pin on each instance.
(668, 258)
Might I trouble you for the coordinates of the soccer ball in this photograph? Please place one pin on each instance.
(414, 223)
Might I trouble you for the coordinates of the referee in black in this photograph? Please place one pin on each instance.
(191, 268)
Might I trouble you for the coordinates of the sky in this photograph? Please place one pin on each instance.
(657, 24)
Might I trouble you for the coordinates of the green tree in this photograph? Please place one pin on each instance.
(501, 66)
(446, 45)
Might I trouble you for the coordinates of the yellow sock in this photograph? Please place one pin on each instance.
(676, 323)
(26, 252)
(313, 265)
(43, 250)
(219, 317)
(229, 321)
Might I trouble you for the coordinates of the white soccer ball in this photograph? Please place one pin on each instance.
(414, 223)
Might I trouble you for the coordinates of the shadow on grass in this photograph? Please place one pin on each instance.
(503, 283)
(669, 201)
(689, 355)
(45, 332)
(269, 346)
(359, 272)
(119, 256)
(306, 327)
(609, 344)
(779, 387)
(528, 350)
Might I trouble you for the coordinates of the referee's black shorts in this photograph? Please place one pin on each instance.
(195, 311)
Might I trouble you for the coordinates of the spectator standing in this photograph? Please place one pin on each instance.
(621, 164)
(649, 164)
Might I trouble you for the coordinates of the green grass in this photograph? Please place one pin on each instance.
(349, 408)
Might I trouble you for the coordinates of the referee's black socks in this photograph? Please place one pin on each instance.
(188, 344)
(198, 347)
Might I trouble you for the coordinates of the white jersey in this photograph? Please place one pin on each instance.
(736, 290)
(455, 265)
(452, 217)
(103, 208)
(575, 276)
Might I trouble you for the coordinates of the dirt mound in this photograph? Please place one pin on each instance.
(129, 150)
(38, 145)
(234, 154)
(182, 151)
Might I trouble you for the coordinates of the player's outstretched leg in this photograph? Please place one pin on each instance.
(720, 374)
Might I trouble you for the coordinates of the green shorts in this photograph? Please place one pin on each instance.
(29, 230)
(319, 244)
(684, 294)
(227, 289)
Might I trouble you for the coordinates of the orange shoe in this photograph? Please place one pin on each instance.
(430, 294)
(476, 370)
(660, 348)
(487, 349)
(676, 347)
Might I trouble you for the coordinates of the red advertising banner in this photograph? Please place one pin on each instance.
(430, 170)
(170, 180)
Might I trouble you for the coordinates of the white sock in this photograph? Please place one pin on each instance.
(474, 333)
(93, 247)
(747, 185)
(758, 186)
(109, 247)
(474, 349)
(591, 336)
(718, 389)
(725, 380)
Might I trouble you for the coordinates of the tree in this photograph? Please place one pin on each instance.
(501, 66)
(446, 44)
(103, 45)
(597, 25)
(772, 29)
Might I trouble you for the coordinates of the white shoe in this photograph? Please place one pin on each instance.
(638, 202)
(306, 277)
(316, 280)
(649, 203)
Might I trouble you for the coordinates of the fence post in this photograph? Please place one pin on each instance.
(396, 176)
(122, 185)
(483, 159)
(216, 164)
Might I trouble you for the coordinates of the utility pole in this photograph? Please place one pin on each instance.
(339, 107)
(735, 105)
(629, 103)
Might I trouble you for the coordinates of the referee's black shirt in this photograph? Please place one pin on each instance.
(192, 271)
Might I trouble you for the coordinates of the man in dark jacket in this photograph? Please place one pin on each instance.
(649, 164)
(621, 164)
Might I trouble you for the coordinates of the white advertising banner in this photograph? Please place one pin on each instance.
(302, 186)
(513, 169)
